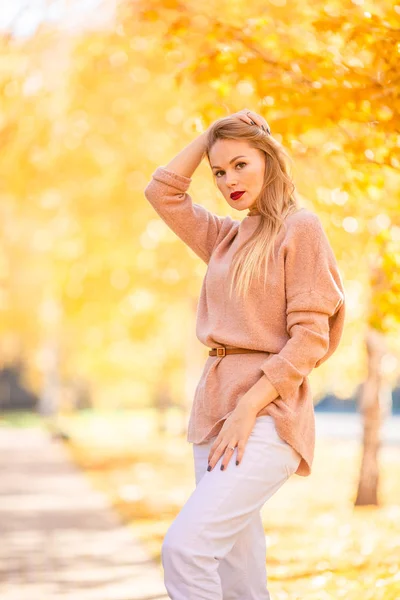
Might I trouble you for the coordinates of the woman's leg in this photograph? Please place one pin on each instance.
(243, 571)
(224, 507)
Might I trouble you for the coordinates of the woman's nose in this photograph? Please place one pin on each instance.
(231, 181)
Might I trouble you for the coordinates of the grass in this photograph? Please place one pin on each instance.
(21, 418)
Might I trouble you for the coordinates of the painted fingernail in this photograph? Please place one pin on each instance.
(209, 468)
(237, 462)
(222, 467)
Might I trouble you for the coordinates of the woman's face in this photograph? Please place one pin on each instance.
(237, 167)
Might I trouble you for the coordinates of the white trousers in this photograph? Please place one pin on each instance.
(215, 548)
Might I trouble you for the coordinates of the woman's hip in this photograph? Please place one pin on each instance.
(264, 449)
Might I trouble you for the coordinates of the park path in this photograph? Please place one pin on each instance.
(60, 539)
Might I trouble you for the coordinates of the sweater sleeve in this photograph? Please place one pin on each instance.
(193, 223)
(314, 308)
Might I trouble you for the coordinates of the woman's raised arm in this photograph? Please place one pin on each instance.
(187, 160)
(167, 193)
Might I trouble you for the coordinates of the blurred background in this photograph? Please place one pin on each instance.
(98, 354)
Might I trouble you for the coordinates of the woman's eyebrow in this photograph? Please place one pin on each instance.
(231, 161)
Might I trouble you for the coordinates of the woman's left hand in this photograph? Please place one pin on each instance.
(234, 433)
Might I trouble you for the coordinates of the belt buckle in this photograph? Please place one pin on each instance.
(221, 351)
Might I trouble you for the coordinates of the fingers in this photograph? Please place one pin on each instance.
(253, 118)
(259, 122)
(227, 456)
(212, 450)
(247, 116)
(264, 127)
(217, 450)
(240, 451)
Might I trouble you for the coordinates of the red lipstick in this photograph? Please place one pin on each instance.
(236, 195)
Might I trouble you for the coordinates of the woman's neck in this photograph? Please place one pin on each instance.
(253, 212)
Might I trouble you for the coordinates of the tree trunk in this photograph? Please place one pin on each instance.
(370, 408)
(49, 400)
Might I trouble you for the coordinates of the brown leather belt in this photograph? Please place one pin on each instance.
(222, 350)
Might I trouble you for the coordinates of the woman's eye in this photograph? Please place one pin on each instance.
(241, 163)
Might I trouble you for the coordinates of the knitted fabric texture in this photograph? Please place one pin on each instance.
(296, 322)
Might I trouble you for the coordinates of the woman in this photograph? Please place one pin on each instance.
(271, 309)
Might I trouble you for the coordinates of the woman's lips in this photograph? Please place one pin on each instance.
(236, 195)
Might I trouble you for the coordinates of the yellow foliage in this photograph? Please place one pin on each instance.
(85, 262)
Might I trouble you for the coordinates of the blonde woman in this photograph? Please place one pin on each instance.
(271, 308)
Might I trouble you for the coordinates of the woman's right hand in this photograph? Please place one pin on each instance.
(252, 118)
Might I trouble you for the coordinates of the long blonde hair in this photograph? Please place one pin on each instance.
(277, 200)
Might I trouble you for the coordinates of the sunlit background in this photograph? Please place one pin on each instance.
(98, 298)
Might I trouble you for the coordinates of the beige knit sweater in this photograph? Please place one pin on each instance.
(296, 322)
